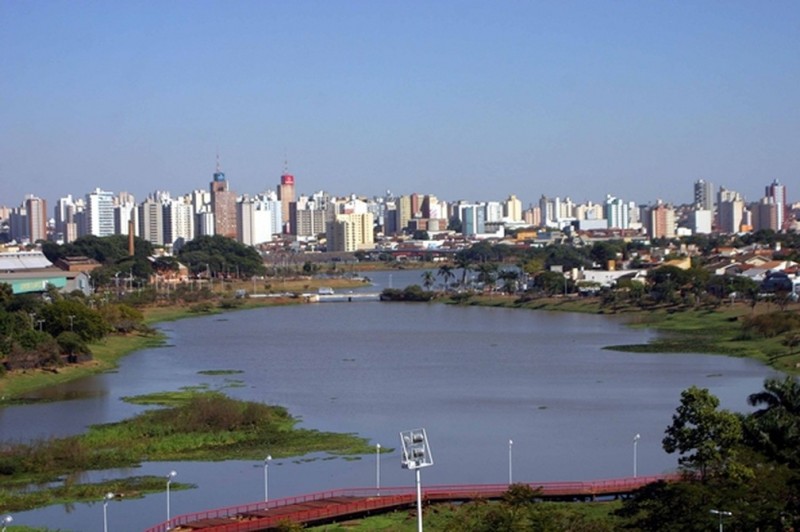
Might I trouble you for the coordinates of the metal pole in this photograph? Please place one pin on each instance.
(510, 476)
(635, 460)
(170, 476)
(266, 477)
(378, 468)
(419, 502)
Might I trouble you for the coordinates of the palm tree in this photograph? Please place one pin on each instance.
(509, 278)
(777, 423)
(486, 273)
(463, 261)
(427, 279)
(447, 275)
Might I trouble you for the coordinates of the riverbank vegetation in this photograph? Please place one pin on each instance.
(190, 425)
(518, 510)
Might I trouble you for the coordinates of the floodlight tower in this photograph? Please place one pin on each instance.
(416, 455)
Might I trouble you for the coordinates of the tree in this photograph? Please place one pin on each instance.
(447, 275)
(427, 279)
(775, 427)
(704, 436)
(550, 282)
(73, 316)
(486, 273)
(462, 260)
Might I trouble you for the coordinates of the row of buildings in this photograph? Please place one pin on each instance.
(352, 223)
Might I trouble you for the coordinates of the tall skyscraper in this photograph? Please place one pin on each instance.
(777, 192)
(286, 195)
(37, 218)
(730, 211)
(661, 221)
(512, 209)
(617, 213)
(151, 221)
(223, 205)
(704, 195)
(99, 213)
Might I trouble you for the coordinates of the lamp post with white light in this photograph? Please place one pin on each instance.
(635, 458)
(7, 520)
(172, 474)
(721, 514)
(416, 455)
(510, 456)
(267, 460)
(108, 496)
(378, 468)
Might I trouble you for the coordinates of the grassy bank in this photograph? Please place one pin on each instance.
(105, 353)
(711, 331)
(206, 426)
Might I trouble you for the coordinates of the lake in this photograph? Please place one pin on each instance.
(475, 378)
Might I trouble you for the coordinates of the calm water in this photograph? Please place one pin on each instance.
(473, 377)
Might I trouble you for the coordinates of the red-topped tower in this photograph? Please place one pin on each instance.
(286, 195)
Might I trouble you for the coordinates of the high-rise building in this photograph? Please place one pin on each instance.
(403, 213)
(259, 219)
(308, 215)
(351, 232)
(125, 211)
(617, 213)
(701, 221)
(37, 218)
(765, 215)
(223, 205)
(704, 195)
(512, 209)
(473, 219)
(178, 219)
(730, 211)
(99, 213)
(286, 195)
(777, 193)
(63, 212)
(151, 221)
(661, 221)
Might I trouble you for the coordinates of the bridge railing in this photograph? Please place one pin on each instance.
(371, 498)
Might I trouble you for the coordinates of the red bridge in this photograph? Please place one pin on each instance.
(328, 506)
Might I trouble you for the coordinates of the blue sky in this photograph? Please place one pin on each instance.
(464, 100)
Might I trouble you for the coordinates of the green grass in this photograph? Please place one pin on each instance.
(18, 500)
(191, 425)
(442, 516)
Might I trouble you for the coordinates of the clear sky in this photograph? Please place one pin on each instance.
(462, 99)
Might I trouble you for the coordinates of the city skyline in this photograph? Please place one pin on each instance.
(464, 100)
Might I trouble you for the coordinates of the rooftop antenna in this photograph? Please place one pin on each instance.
(217, 159)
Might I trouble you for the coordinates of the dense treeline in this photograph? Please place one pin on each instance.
(222, 257)
(47, 331)
(748, 465)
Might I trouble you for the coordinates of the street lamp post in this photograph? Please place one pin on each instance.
(107, 498)
(170, 476)
(266, 477)
(635, 458)
(7, 520)
(416, 455)
(510, 462)
(71, 322)
(721, 514)
(378, 468)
